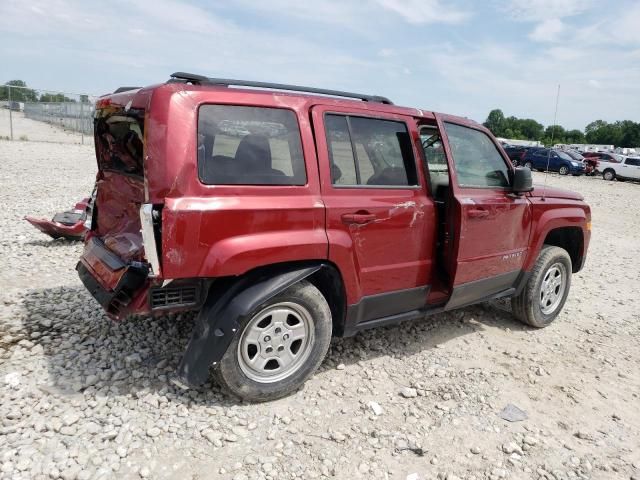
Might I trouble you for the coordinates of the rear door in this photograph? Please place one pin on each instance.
(492, 224)
(380, 222)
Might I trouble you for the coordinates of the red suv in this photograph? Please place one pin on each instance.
(288, 214)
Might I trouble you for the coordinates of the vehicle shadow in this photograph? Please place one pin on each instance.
(85, 350)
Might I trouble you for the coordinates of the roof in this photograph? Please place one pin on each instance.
(283, 92)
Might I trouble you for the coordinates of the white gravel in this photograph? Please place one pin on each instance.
(84, 398)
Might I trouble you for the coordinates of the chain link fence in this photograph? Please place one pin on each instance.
(29, 114)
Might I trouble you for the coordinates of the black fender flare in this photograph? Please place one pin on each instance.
(229, 301)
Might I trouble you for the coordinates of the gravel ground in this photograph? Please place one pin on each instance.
(84, 398)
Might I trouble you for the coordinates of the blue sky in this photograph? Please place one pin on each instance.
(457, 56)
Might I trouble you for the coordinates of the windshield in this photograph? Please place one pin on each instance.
(575, 155)
(564, 156)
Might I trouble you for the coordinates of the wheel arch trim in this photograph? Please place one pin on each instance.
(229, 301)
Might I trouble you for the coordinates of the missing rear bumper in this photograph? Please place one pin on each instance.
(124, 279)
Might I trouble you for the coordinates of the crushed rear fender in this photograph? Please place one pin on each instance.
(69, 224)
(228, 303)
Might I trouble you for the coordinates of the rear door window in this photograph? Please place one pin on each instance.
(239, 145)
(369, 152)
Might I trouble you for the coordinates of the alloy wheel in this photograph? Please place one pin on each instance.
(276, 342)
(552, 288)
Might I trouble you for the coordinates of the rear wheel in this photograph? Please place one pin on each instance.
(609, 174)
(546, 291)
(279, 345)
(564, 170)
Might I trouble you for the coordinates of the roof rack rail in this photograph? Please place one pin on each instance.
(125, 89)
(202, 80)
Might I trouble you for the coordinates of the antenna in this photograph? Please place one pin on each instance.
(553, 131)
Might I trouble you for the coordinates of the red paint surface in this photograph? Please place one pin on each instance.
(57, 230)
(212, 231)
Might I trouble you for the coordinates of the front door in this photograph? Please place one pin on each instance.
(380, 222)
(492, 234)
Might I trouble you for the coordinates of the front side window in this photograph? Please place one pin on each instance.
(633, 161)
(368, 151)
(240, 145)
(476, 159)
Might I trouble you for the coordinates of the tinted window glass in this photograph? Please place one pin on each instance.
(343, 167)
(366, 151)
(477, 160)
(249, 146)
(633, 161)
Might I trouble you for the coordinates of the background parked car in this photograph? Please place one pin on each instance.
(515, 153)
(628, 169)
(603, 156)
(557, 160)
(590, 165)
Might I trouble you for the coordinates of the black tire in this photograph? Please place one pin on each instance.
(230, 374)
(564, 170)
(609, 174)
(526, 307)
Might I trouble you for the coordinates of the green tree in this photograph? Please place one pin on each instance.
(531, 130)
(574, 136)
(21, 94)
(604, 133)
(629, 133)
(495, 122)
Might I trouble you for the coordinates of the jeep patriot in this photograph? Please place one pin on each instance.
(285, 215)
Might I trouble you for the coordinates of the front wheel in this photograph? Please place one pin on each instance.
(609, 175)
(564, 170)
(528, 165)
(279, 345)
(546, 291)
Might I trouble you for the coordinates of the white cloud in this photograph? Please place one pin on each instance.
(548, 30)
(425, 11)
(538, 10)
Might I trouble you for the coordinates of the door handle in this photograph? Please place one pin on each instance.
(359, 218)
(477, 213)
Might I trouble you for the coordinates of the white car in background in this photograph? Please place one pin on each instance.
(628, 169)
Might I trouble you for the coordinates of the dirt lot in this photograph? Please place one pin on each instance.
(85, 398)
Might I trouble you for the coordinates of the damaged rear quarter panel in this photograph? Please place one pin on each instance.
(221, 236)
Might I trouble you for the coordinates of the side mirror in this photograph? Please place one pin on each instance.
(522, 181)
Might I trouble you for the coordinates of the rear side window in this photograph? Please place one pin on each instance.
(240, 145)
(368, 151)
